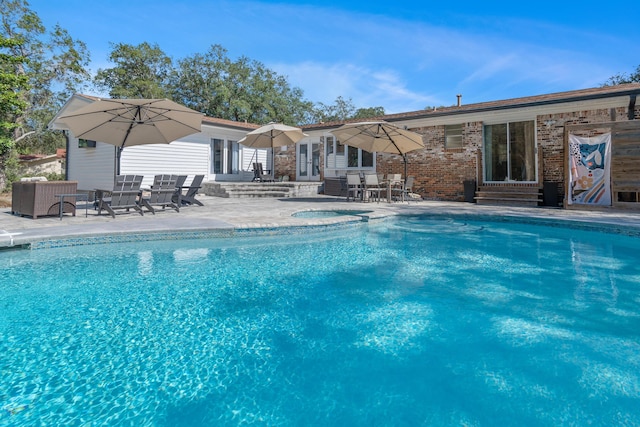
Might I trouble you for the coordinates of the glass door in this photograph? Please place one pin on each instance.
(308, 154)
(225, 157)
(510, 152)
(217, 156)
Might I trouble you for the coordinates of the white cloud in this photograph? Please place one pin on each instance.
(377, 59)
(366, 87)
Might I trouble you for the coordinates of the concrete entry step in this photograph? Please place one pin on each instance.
(261, 189)
(506, 201)
(508, 195)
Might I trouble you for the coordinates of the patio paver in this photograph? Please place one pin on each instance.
(232, 213)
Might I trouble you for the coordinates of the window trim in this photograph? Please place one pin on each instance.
(458, 135)
(86, 143)
(333, 147)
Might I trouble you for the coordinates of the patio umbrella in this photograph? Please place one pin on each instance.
(128, 122)
(380, 136)
(272, 135)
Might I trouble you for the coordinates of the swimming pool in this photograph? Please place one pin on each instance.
(412, 321)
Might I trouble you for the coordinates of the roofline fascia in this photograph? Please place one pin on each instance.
(436, 113)
(228, 126)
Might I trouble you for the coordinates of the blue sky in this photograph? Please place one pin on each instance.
(402, 55)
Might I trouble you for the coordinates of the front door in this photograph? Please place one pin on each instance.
(308, 155)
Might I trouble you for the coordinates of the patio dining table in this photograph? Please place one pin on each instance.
(391, 184)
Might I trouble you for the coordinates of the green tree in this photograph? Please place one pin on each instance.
(368, 113)
(341, 109)
(237, 90)
(13, 88)
(198, 82)
(344, 109)
(54, 66)
(140, 71)
(623, 78)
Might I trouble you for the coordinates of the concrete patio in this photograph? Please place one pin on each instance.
(235, 214)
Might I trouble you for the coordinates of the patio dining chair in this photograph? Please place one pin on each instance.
(354, 186)
(372, 187)
(403, 191)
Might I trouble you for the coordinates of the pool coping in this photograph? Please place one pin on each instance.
(219, 230)
(275, 217)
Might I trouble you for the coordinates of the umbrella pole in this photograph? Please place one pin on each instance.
(124, 141)
(118, 156)
(404, 157)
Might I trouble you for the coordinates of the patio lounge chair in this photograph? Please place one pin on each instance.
(372, 187)
(259, 175)
(161, 193)
(354, 186)
(179, 186)
(124, 195)
(187, 194)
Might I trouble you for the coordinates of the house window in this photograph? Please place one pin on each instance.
(339, 156)
(334, 153)
(453, 136)
(341, 161)
(367, 159)
(352, 157)
(86, 143)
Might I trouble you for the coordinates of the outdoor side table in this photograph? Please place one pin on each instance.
(80, 196)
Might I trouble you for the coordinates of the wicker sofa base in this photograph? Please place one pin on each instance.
(38, 198)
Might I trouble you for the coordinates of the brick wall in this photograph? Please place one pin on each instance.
(440, 173)
(286, 162)
(550, 137)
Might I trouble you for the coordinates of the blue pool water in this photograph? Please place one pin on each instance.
(328, 213)
(416, 321)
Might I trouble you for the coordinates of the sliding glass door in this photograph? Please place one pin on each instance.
(224, 157)
(510, 152)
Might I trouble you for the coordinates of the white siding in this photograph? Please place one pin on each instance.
(91, 167)
(179, 157)
(249, 156)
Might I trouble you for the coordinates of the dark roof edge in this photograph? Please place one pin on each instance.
(519, 105)
(483, 107)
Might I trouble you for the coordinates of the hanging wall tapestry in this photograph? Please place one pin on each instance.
(589, 170)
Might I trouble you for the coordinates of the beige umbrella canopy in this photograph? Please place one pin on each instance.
(272, 135)
(129, 122)
(379, 136)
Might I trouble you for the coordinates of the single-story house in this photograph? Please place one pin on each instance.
(214, 153)
(524, 150)
(514, 150)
